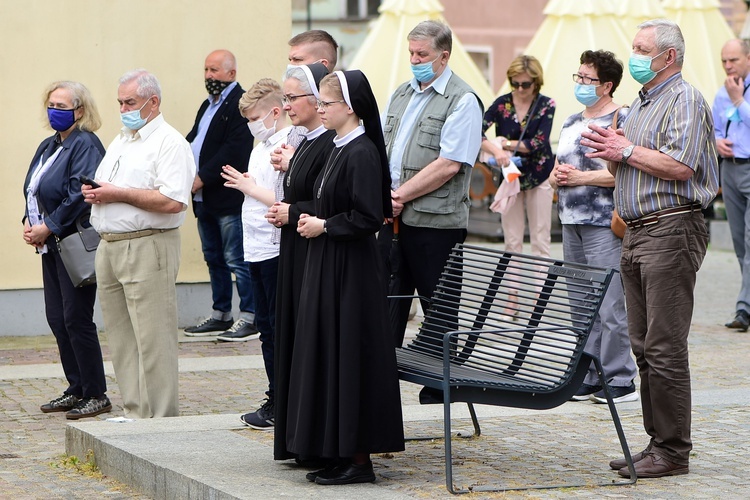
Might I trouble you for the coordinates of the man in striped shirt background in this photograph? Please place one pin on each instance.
(666, 170)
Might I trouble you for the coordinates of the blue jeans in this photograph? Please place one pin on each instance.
(221, 240)
(264, 276)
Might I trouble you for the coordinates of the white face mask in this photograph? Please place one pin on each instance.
(259, 130)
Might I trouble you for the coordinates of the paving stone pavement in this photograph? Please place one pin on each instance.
(573, 443)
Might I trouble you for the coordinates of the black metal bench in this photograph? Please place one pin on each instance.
(476, 351)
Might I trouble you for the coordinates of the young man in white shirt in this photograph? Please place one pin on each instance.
(262, 106)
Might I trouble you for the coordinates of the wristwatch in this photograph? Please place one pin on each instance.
(507, 144)
(627, 152)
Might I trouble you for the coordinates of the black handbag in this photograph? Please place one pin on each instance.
(78, 252)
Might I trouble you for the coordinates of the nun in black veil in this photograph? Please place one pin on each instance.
(300, 95)
(344, 400)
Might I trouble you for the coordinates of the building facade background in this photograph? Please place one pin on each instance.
(95, 42)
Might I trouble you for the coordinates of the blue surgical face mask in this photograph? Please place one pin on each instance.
(424, 72)
(586, 94)
(733, 114)
(133, 120)
(640, 67)
(61, 119)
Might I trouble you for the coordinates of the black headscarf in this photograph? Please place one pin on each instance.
(358, 95)
(314, 73)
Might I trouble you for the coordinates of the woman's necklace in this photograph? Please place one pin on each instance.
(298, 158)
(596, 113)
(329, 166)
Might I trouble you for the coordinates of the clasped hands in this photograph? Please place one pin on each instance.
(35, 235)
(566, 175)
(308, 226)
(280, 157)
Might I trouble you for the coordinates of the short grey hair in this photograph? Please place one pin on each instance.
(667, 36)
(148, 85)
(439, 33)
(297, 73)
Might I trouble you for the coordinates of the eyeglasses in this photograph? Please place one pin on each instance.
(115, 169)
(325, 104)
(290, 98)
(523, 85)
(584, 79)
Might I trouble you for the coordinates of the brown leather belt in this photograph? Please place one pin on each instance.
(110, 237)
(654, 217)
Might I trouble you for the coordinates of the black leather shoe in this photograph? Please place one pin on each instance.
(740, 322)
(65, 402)
(326, 471)
(348, 474)
(208, 327)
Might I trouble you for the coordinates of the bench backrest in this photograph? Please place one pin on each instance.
(556, 302)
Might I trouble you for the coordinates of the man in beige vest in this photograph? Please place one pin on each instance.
(433, 130)
(144, 188)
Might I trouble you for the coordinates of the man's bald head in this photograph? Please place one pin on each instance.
(735, 58)
(221, 65)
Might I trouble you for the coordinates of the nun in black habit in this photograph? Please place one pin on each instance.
(300, 86)
(344, 400)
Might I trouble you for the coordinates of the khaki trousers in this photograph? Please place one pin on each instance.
(538, 205)
(136, 285)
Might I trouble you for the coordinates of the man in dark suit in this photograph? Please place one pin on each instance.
(221, 137)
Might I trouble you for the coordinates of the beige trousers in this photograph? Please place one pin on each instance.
(136, 286)
(538, 205)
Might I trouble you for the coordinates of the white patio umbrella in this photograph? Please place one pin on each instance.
(705, 31)
(568, 29)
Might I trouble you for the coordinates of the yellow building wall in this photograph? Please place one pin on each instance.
(95, 42)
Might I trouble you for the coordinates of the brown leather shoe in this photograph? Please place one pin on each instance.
(620, 462)
(652, 465)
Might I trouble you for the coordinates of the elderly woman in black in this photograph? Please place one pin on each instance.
(300, 88)
(53, 204)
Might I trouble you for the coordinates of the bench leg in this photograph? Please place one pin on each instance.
(449, 438)
(490, 488)
(616, 420)
(474, 422)
(477, 430)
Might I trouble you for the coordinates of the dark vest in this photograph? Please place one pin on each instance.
(448, 206)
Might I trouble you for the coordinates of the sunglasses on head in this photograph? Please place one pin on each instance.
(523, 85)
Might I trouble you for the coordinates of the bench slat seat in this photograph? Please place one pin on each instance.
(508, 329)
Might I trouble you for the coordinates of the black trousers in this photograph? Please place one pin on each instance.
(70, 315)
(422, 254)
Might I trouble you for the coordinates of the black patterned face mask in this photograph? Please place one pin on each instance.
(215, 87)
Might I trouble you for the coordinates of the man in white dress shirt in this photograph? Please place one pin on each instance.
(145, 180)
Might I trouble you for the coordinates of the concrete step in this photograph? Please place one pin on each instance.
(198, 457)
(216, 457)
